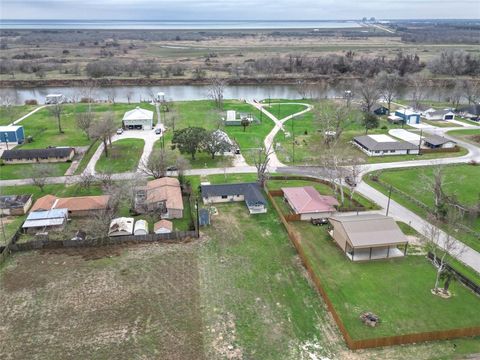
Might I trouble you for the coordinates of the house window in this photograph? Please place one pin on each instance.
(224, 196)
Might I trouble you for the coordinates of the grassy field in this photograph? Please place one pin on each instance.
(123, 156)
(22, 171)
(9, 114)
(472, 136)
(307, 139)
(467, 194)
(397, 290)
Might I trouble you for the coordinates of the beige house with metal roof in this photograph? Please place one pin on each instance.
(368, 237)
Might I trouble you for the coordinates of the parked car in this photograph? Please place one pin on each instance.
(158, 131)
(172, 168)
(320, 221)
(119, 131)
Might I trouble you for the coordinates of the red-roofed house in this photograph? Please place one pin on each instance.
(77, 206)
(309, 203)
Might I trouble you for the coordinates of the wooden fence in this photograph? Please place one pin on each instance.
(440, 150)
(460, 277)
(366, 343)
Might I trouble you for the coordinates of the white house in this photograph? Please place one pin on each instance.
(138, 119)
(380, 145)
(440, 115)
(163, 227)
(121, 226)
(141, 227)
(251, 193)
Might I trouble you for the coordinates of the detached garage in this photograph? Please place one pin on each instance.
(138, 119)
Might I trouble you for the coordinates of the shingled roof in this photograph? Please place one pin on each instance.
(251, 192)
(437, 140)
(59, 152)
(371, 144)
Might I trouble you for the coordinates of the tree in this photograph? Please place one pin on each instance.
(370, 121)
(157, 164)
(441, 243)
(435, 184)
(57, 111)
(84, 121)
(215, 143)
(103, 130)
(39, 174)
(303, 88)
(471, 91)
(456, 94)
(332, 121)
(369, 93)
(447, 276)
(388, 85)
(244, 122)
(418, 83)
(215, 91)
(261, 158)
(189, 140)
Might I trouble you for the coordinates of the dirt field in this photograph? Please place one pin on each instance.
(239, 292)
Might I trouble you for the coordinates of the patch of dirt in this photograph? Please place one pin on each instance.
(223, 333)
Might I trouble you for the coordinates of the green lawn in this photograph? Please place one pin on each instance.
(11, 225)
(281, 110)
(11, 113)
(87, 157)
(123, 156)
(439, 123)
(407, 179)
(22, 171)
(397, 290)
(472, 136)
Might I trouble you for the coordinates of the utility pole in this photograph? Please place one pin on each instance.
(389, 196)
(420, 141)
(198, 218)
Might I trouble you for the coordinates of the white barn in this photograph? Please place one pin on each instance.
(138, 119)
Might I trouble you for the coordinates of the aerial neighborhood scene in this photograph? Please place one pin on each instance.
(186, 180)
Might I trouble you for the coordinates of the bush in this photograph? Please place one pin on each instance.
(31, 102)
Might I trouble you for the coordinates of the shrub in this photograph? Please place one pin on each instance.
(31, 102)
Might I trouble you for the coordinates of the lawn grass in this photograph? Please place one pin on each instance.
(471, 136)
(439, 123)
(22, 171)
(397, 290)
(87, 157)
(11, 224)
(282, 110)
(123, 156)
(467, 194)
(60, 190)
(9, 114)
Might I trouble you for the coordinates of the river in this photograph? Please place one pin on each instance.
(193, 92)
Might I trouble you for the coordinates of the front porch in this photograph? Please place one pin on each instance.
(375, 253)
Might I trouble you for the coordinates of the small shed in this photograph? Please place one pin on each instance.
(121, 226)
(15, 204)
(380, 110)
(44, 220)
(12, 134)
(408, 116)
(141, 227)
(163, 227)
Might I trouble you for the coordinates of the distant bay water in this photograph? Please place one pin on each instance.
(177, 24)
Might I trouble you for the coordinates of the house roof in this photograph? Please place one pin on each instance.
(437, 140)
(138, 114)
(371, 143)
(165, 224)
(471, 109)
(364, 231)
(80, 203)
(407, 112)
(14, 201)
(440, 112)
(59, 152)
(307, 199)
(251, 192)
(10, 128)
(121, 224)
(165, 189)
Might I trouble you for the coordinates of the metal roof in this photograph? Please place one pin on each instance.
(371, 144)
(251, 192)
(48, 214)
(307, 199)
(138, 114)
(10, 128)
(373, 230)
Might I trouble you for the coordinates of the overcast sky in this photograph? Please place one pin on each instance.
(237, 9)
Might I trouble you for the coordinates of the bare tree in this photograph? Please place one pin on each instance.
(111, 94)
(103, 130)
(369, 92)
(129, 95)
(39, 174)
(216, 90)
(84, 121)
(352, 174)
(158, 163)
(57, 111)
(418, 83)
(86, 181)
(261, 158)
(388, 84)
(456, 94)
(442, 243)
(435, 185)
(303, 88)
(471, 91)
(332, 121)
